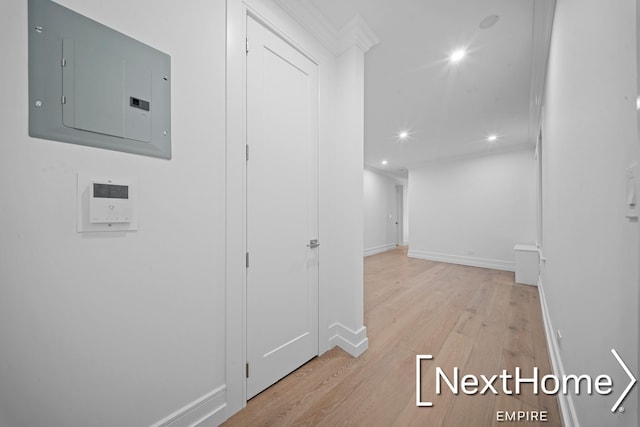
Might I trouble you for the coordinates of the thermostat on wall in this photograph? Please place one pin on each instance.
(106, 203)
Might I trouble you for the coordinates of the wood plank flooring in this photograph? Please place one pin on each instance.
(476, 319)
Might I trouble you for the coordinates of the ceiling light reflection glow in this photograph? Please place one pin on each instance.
(457, 55)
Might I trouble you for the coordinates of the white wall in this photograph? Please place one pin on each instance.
(130, 344)
(380, 212)
(473, 211)
(590, 278)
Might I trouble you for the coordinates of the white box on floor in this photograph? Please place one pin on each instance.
(527, 259)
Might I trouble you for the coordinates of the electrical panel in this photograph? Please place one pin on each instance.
(91, 85)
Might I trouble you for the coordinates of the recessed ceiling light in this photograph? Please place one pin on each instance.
(492, 138)
(384, 162)
(403, 135)
(457, 55)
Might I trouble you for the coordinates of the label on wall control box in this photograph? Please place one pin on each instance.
(109, 203)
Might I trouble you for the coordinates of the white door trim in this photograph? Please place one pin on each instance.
(235, 239)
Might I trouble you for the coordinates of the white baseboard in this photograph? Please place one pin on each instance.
(463, 260)
(206, 411)
(567, 410)
(354, 343)
(379, 249)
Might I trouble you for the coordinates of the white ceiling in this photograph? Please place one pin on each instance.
(449, 109)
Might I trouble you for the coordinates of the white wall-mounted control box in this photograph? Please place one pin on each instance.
(109, 202)
(106, 203)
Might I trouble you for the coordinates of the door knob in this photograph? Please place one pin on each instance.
(313, 243)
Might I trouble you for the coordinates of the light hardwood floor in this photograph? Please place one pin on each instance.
(476, 319)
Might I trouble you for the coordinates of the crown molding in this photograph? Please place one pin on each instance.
(355, 33)
(471, 155)
(543, 13)
(397, 177)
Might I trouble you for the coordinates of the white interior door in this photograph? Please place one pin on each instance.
(399, 215)
(282, 208)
